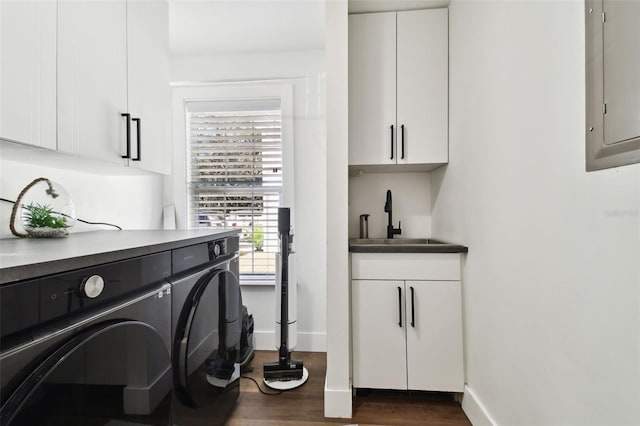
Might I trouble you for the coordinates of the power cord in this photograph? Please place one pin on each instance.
(250, 369)
(259, 388)
(78, 219)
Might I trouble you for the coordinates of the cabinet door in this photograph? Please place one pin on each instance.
(422, 48)
(379, 346)
(148, 76)
(372, 88)
(28, 72)
(621, 68)
(434, 336)
(92, 78)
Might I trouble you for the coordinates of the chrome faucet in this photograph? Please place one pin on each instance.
(388, 208)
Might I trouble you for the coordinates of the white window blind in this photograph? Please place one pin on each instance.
(235, 175)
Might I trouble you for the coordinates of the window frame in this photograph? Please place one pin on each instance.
(194, 92)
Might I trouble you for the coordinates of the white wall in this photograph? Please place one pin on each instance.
(411, 197)
(551, 280)
(101, 192)
(337, 388)
(247, 66)
(305, 71)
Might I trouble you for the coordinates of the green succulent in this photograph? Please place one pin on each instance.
(40, 216)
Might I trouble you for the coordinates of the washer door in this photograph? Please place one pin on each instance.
(207, 345)
(114, 372)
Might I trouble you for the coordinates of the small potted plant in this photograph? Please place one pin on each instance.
(258, 238)
(41, 221)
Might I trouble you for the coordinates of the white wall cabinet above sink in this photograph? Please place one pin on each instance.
(398, 88)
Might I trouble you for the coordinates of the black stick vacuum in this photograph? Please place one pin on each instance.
(284, 374)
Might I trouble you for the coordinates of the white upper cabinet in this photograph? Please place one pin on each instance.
(113, 59)
(398, 88)
(422, 86)
(70, 70)
(372, 88)
(149, 95)
(92, 78)
(28, 72)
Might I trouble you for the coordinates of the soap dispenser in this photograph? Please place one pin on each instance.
(364, 226)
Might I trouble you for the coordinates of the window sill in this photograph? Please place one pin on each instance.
(257, 282)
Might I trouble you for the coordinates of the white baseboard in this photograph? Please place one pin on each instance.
(337, 402)
(307, 342)
(475, 410)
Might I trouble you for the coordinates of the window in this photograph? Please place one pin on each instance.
(235, 175)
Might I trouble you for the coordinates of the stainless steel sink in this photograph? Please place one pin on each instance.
(403, 245)
(394, 241)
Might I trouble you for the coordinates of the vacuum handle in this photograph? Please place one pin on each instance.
(400, 306)
(284, 220)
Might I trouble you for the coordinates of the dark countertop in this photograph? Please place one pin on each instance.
(398, 246)
(25, 258)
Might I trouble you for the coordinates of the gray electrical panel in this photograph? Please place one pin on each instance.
(612, 83)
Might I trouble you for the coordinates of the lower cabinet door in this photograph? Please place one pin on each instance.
(379, 330)
(434, 336)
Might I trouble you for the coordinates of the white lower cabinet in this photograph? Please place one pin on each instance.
(379, 342)
(434, 336)
(407, 334)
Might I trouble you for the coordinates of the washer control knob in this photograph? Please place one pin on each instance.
(92, 286)
(217, 250)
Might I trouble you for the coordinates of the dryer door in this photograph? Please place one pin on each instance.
(117, 371)
(207, 345)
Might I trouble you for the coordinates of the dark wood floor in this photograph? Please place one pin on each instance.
(305, 406)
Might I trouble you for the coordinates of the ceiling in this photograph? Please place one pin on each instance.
(212, 27)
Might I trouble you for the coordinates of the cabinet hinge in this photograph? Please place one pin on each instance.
(604, 109)
(604, 18)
